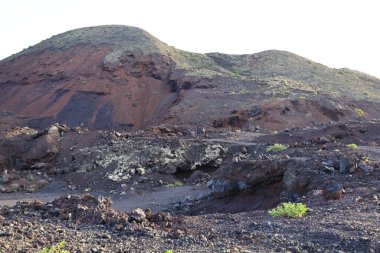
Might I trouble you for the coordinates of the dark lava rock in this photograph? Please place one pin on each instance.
(367, 169)
(347, 165)
(332, 190)
(255, 111)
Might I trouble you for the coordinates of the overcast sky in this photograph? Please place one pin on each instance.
(337, 33)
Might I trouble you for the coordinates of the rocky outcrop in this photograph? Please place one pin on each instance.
(87, 209)
(28, 149)
(297, 175)
(24, 150)
(136, 157)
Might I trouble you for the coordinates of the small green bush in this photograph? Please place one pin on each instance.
(59, 248)
(366, 160)
(175, 184)
(359, 112)
(290, 210)
(168, 251)
(352, 145)
(277, 148)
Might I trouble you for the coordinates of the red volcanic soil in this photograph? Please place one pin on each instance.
(118, 77)
(74, 87)
(291, 113)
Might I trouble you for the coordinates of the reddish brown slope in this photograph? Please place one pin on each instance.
(111, 77)
(74, 87)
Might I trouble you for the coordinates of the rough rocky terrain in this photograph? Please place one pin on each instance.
(113, 141)
(339, 184)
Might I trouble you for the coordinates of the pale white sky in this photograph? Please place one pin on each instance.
(337, 33)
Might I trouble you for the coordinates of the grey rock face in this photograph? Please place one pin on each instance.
(142, 156)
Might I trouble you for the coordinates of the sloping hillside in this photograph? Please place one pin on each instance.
(122, 77)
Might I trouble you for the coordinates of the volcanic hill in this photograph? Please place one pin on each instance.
(220, 140)
(121, 77)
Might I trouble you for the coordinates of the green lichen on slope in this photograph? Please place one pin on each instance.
(283, 69)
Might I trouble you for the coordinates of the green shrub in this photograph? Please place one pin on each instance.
(59, 248)
(175, 184)
(290, 210)
(352, 145)
(168, 251)
(359, 112)
(277, 148)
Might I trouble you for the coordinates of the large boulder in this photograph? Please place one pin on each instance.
(28, 148)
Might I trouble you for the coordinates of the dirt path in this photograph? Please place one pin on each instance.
(247, 139)
(158, 199)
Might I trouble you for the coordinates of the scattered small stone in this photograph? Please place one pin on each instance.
(178, 234)
(329, 169)
(324, 140)
(140, 171)
(137, 215)
(105, 236)
(375, 199)
(203, 238)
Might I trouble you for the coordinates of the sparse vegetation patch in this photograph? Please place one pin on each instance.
(175, 184)
(59, 248)
(290, 210)
(352, 146)
(277, 148)
(359, 112)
